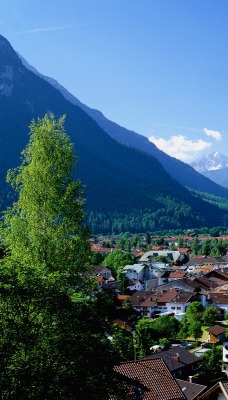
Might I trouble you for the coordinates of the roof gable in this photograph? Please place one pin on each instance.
(154, 377)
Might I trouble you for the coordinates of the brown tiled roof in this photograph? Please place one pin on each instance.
(200, 260)
(144, 298)
(125, 324)
(102, 269)
(191, 390)
(157, 248)
(100, 278)
(216, 330)
(166, 297)
(210, 282)
(219, 298)
(153, 378)
(182, 297)
(138, 297)
(183, 249)
(223, 272)
(195, 283)
(177, 275)
(98, 247)
(122, 297)
(173, 363)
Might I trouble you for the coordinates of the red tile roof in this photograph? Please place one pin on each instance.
(177, 275)
(122, 297)
(152, 378)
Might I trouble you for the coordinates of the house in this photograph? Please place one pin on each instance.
(217, 392)
(148, 303)
(199, 261)
(124, 324)
(135, 284)
(148, 379)
(100, 249)
(103, 271)
(184, 250)
(137, 271)
(180, 302)
(171, 256)
(171, 301)
(104, 277)
(176, 275)
(190, 389)
(216, 333)
(219, 300)
(180, 362)
(225, 352)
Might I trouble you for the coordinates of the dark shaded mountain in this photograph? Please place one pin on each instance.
(214, 166)
(125, 187)
(178, 170)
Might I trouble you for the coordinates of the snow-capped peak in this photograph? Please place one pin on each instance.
(210, 162)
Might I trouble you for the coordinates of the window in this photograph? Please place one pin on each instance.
(173, 308)
(178, 308)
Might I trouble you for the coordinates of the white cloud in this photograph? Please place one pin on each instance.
(215, 134)
(49, 29)
(180, 147)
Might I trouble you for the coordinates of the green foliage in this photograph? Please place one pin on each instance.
(160, 259)
(97, 258)
(194, 312)
(44, 227)
(122, 339)
(210, 315)
(211, 365)
(166, 326)
(165, 343)
(184, 328)
(121, 280)
(206, 247)
(195, 329)
(51, 326)
(220, 202)
(195, 245)
(180, 241)
(148, 238)
(47, 345)
(145, 336)
(116, 259)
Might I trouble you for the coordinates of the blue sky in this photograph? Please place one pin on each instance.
(159, 67)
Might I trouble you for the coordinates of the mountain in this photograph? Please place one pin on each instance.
(210, 162)
(126, 188)
(184, 173)
(214, 166)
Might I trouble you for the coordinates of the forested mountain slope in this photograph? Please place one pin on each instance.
(125, 187)
(182, 172)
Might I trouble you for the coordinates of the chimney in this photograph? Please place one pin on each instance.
(191, 378)
(176, 357)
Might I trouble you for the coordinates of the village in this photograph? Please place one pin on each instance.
(163, 283)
